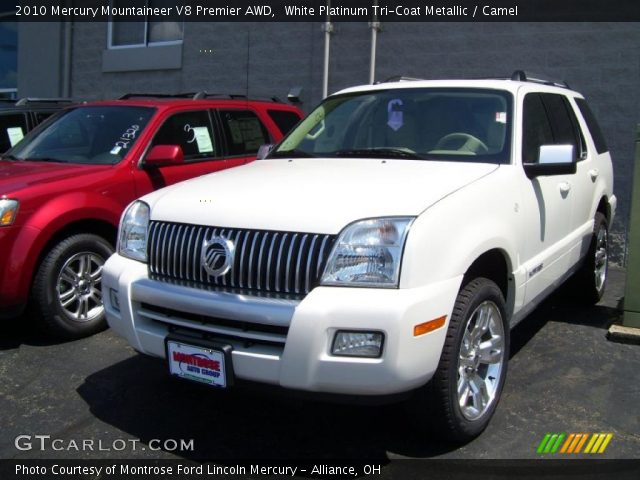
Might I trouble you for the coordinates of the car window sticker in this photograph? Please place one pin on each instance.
(236, 132)
(252, 132)
(203, 139)
(15, 135)
(125, 139)
(501, 117)
(395, 118)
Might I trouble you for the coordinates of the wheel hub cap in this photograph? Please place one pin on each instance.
(78, 287)
(481, 360)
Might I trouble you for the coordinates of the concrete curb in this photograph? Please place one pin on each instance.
(621, 334)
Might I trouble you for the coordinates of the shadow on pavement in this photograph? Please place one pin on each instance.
(137, 397)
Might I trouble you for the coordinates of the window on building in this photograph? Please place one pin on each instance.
(148, 32)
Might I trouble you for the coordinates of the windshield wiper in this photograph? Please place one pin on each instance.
(382, 152)
(291, 154)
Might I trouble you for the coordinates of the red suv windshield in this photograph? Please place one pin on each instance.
(98, 135)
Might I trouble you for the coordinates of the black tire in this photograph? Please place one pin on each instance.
(51, 288)
(589, 285)
(437, 405)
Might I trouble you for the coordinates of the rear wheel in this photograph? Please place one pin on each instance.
(463, 393)
(592, 276)
(66, 294)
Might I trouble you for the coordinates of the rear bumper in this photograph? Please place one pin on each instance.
(294, 350)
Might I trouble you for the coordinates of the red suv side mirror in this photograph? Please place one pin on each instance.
(162, 155)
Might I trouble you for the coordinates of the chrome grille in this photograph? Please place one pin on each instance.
(265, 261)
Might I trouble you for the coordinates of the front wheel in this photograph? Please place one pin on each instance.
(66, 294)
(465, 389)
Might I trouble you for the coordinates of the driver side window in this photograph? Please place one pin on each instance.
(192, 132)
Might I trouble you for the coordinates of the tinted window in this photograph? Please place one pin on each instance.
(244, 131)
(93, 135)
(563, 123)
(536, 129)
(192, 132)
(592, 124)
(12, 128)
(284, 120)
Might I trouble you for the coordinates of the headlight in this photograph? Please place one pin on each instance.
(368, 253)
(8, 211)
(132, 241)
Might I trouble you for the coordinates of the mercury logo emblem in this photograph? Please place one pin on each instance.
(217, 256)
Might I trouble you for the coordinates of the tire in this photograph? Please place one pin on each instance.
(592, 276)
(460, 417)
(66, 296)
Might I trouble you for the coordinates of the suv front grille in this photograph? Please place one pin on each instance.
(264, 261)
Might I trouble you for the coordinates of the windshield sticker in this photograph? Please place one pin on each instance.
(125, 139)
(395, 120)
(15, 135)
(203, 139)
(236, 132)
(501, 117)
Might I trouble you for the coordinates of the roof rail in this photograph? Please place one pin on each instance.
(522, 76)
(193, 96)
(28, 100)
(399, 78)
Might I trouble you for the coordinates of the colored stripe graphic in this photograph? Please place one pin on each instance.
(573, 443)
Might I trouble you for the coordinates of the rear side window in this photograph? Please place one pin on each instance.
(536, 128)
(244, 131)
(12, 128)
(563, 122)
(284, 119)
(192, 132)
(592, 124)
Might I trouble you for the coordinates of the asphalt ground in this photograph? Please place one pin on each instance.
(564, 376)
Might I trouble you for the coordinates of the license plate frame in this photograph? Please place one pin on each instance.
(199, 360)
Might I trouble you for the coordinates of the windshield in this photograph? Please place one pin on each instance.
(91, 135)
(453, 124)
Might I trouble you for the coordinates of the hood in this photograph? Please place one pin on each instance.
(18, 175)
(312, 194)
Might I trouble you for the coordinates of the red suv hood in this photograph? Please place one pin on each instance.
(15, 176)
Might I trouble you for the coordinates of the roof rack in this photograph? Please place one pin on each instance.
(522, 76)
(192, 95)
(399, 78)
(28, 100)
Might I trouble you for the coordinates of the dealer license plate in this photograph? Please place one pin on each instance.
(198, 363)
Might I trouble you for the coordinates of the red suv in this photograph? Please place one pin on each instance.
(64, 187)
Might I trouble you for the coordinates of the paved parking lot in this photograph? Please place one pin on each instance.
(564, 376)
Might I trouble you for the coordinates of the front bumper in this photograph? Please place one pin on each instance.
(287, 342)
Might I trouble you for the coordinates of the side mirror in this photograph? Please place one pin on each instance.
(162, 155)
(264, 150)
(552, 160)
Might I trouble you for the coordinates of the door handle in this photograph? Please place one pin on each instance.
(564, 187)
(593, 173)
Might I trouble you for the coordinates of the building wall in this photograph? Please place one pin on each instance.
(601, 60)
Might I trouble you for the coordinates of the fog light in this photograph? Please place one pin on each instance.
(358, 344)
(113, 297)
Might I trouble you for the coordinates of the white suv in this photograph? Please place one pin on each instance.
(388, 244)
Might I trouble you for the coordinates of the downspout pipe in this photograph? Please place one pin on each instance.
(66, 61)
(328, 29)
(375, 28)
